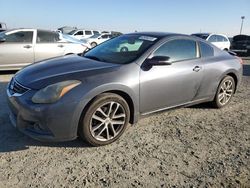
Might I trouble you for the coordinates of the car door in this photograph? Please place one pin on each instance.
(48, 45)
(175, 84)
(88, 34)
(102, 38)
(79, 34)
(224, 43)
(17, 49)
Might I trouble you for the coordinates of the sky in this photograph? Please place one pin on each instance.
(181, 16)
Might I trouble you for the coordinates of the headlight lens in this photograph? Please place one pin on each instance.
(54, 92)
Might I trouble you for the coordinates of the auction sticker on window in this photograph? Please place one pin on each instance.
(148, 38)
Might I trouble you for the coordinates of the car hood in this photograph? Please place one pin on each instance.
(72, 67)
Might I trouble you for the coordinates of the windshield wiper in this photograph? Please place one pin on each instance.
(94, 58)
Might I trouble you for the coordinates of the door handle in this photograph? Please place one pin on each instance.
(60, 46)
(197, 68)
(27, 46)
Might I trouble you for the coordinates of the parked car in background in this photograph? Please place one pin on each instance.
(3, 27)
(69, 38)
(21, 47)
(66, 29)
(96, 96)
(219, 40)
(82, 34)
(97, 39)
(241, 45)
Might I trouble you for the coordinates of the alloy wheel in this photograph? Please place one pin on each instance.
(225, 92)
(107, 121)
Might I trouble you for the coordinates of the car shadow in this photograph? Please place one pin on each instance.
(13, 140)
(7, 72)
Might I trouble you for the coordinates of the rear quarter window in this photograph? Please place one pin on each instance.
(206, 50)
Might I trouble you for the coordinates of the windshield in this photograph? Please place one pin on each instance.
(72, 32)
(68, 38)
(123, 49)
(203, 36)
(2, 34)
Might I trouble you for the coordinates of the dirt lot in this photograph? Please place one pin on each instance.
(192, 147)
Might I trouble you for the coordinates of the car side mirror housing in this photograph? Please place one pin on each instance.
(159, 60)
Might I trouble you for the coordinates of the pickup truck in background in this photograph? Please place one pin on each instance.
(3, 27)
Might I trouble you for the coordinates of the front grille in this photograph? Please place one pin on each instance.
(16, 88)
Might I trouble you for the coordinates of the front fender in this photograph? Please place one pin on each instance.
(91, 94)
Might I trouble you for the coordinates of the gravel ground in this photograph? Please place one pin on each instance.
(188, 147)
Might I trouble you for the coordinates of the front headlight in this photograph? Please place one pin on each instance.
(54, 92)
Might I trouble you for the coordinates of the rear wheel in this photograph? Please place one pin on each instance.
(105, 120)
(225, 92)
(93, 44)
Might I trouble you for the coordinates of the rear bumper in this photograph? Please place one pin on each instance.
(239, 50)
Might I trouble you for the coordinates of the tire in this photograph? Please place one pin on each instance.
(93, 44)
(124, 49)
(105, 120)
(224, 92)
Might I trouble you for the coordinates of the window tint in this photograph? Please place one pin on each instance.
(104, 36)
(206, 50)
(47, 37)
(20, 37)
(95, 32)
(212, 38)
(79, 33)
(178, 50)
(224, 39)
(88, 33)
(220, 38)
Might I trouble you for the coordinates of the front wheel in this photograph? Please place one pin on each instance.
(224, 92)
(105, 120)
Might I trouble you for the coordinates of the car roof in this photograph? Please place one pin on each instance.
(201, 34)
(157, 34)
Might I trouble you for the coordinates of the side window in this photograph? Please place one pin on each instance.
(95, 32)
(212, 38)
(47, 37)
(206, 50)
(220, 38)
(88, 33)
(79, 33)
(224, 39)
(104, 36)
(20, 37)
(178, 50)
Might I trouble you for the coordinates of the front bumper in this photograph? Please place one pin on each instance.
(44, 122)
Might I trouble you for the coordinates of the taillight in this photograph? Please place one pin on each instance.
(240, 60)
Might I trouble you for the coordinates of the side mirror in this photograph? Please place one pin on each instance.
(159, 60)
(2, 39)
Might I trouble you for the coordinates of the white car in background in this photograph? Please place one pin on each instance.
(21, 47)
(83, 34)
(97, 39)
(219, 40)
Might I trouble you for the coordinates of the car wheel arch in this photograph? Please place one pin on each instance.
(235, 79)
(125, 95)
(229, 73)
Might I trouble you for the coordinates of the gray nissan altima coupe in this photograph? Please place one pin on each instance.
(98, 94)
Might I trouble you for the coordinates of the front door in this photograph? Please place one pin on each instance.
(175, 84)
(48, 45)
(17, 50)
